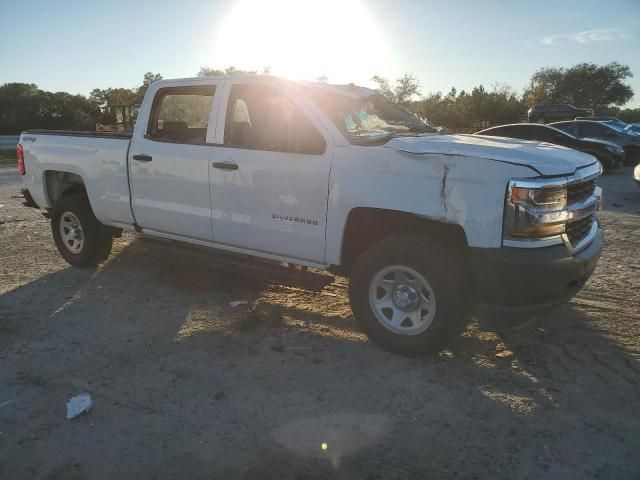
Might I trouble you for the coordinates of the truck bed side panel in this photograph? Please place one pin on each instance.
(101, 162)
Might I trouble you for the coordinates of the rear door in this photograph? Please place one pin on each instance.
(169, 161)
(270, 173)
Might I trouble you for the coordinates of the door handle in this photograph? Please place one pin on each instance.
(143, 157)
(225, 165)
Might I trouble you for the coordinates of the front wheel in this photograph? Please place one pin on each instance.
(78, 234)
(410, 294)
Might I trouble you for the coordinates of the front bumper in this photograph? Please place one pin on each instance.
(512, 285)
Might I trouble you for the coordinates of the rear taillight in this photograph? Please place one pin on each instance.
(20, 153)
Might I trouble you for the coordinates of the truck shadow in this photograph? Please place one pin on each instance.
(260, 391)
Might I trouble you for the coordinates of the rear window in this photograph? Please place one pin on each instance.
(565, 127)
(181, 114)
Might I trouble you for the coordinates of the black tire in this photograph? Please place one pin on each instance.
(443, 269)
(607, 162)
(97, 240)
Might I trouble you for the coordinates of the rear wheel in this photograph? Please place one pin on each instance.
(410, 294)
(79, 236)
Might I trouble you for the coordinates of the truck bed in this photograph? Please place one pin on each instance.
(82, 133)
(98, 158)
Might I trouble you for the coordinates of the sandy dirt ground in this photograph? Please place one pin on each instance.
(186, 387)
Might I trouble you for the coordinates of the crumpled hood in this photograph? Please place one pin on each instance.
(545, 158)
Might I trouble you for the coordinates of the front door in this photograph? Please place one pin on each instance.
(270, 175)
(169, 163)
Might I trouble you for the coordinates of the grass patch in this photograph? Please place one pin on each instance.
(8, 157)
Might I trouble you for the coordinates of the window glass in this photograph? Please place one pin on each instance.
(550, 135)
(181, 114)
(366, 117)
(565, 127)
(518, 132)
(592, 129)
(260, 117)
(497, 132)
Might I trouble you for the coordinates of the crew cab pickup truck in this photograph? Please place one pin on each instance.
(429, 228)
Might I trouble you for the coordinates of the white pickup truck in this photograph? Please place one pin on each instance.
(429, 228)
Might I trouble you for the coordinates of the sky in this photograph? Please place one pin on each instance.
(76, 46)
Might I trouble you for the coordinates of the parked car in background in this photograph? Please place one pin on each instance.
(609, 154)
(590, 129)
(610, 120)
(554, 113)
(633, 128)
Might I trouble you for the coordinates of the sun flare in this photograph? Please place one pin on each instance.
(302, 39)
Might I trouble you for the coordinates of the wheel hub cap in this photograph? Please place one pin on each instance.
(405, 297)
(402, 300)
(71, 232)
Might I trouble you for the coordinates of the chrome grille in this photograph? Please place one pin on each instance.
(579, 229)
(576, 192)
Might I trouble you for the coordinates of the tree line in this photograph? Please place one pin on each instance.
(601, 87)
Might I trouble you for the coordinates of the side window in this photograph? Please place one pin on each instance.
(260, 117)
(540, 134)
(565, 127)
(521, 133)
(498, 132)
(181, 114)
(592, 130)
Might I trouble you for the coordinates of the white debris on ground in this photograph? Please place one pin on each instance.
(78, 404)
(237, 303)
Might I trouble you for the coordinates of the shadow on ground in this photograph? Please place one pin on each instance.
(186, 387)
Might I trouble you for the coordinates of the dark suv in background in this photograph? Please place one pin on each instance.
(630, 142)
(555, 113)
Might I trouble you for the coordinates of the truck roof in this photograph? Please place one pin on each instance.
(350, 90)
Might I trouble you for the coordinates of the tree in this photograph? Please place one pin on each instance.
(475, 110)
(19, 107)
(148, 79)
(24, 106)
(104, 99)
(214, 72)
(402, 92)
(583, 85)
(630, 115)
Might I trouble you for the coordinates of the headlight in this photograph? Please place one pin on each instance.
(550, 198)
(535, 211)
(540, 212)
